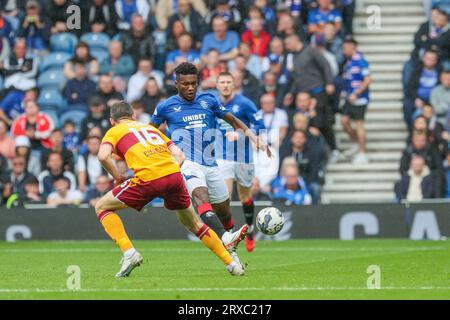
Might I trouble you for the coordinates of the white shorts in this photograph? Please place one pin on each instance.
(197, 176)
(243, 173)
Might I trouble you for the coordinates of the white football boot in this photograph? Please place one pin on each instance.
(129, 264)
(236, 269)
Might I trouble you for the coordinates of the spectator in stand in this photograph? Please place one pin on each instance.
(57, 13)
(97, 117)
(63, 195)
(422, 81)
(418, 183)
(301, 122)
(6, 29)
(152, 96)
(437, 136)
(269, 15)
(254, 63)
(102, 187)
(7, 144)
(78, 90)
(241, 65)
(140, 114)
(35, 125)
(55, 170)
(138, 81)
(82, 56)
(137, 42)
(106, 91)
(34, 28)
(5, 49)
(282, 76)
(357, 79)
(127, 10)
(309, 158)
(184, 53)
(246, 86)
(276, 48)
(288, 26)
(440, 97)
(13, 105)
(221, 39)
(118, 65)
(71, 138)
(57, 141)
(257, 38)
(19, 70)
(229, 13)
(432, 34)
(333, 43)
(212, 68)
(318, 41)
(102, 17)
(166, 10)
(348, 11)
(5, 188)
(275, 120)
(305, 105)
(290, 186)
(23, 148)
(173, 34)
(420, 146)
(258, 193)
(191, 19)
(17, 177)
(312, 73)
(88, 166)
(31, 194)
(317, 18)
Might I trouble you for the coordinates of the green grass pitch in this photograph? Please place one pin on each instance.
(314, 269)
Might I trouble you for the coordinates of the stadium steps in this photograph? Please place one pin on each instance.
(386, 48)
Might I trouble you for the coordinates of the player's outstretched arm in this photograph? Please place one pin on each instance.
(106, 159)
(177, 154)
(239, 125)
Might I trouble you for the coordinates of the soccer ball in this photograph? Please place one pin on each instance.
(270, 221)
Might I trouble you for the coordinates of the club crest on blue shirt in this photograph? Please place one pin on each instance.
(235, 108)
(204, 104)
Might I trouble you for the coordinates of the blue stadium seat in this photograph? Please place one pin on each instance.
(52, 99)
(52, 79)
(76, 116)
(100, 54)
(96, 40)
(63, 42)
(54, 60)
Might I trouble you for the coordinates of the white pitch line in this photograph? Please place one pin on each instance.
(318, 249)
(287, 289)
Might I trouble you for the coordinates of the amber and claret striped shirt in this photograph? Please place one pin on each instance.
(144, 148)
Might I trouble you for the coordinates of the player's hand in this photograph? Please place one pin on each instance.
(119, 180)
(232, 136)
(330, 89)
(353, 98)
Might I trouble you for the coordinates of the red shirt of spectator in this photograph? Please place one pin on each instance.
(257, 38)
(35, 125)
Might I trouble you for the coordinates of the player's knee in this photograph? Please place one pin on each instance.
(99, 207)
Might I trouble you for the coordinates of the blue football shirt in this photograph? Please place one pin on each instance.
(192, 125)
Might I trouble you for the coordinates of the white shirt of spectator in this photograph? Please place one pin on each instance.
(136, 85)
(93, 168)
(273, 122)
(72, 196)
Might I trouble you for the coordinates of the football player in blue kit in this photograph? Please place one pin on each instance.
(191, 119)
(234, 151)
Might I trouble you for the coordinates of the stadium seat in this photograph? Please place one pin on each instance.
(100, 54)
(76, 116)
(54, 60)
(63, 42)
(52, 79)
(96, 40)
(52, 99)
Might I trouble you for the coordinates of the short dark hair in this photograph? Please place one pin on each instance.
(186, 69)
(121, 110)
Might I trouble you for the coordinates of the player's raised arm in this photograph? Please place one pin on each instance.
(239, 125)
(105, 156)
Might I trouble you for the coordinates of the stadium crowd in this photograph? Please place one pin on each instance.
(295, 59)
(425, 163)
